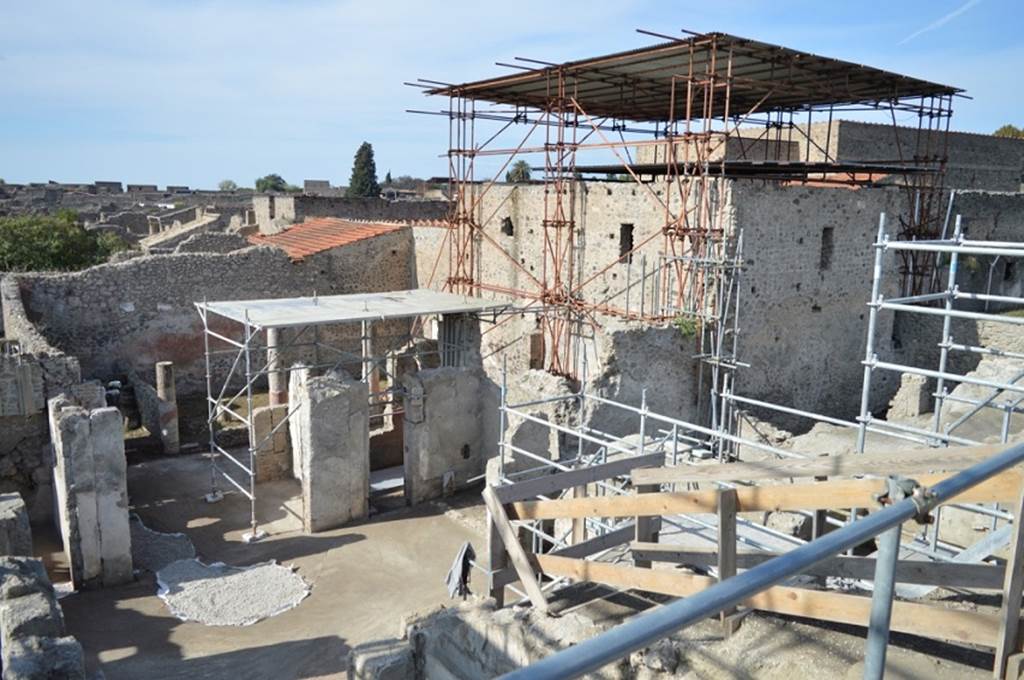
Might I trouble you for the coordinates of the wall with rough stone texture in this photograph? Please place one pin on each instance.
(127, 316)
(33, 640)
(449, 430)
(276, 212)
(802, 310)
(91, 488)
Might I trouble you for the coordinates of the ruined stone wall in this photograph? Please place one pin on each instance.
(275, 212)
(127, 316)
(449, 428)
(804, 291)
(211, 242)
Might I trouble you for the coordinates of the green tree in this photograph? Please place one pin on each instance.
(227, 185)
(272, 182)
(1010, 131)
(387, 178)
(363, 182)
(519, 172)
(52, 242)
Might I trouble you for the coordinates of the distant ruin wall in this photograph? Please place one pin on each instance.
(128, 316)
(275, 212)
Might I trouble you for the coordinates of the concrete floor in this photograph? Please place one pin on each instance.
(364, 578)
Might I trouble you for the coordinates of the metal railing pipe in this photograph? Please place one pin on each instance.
(649, 627)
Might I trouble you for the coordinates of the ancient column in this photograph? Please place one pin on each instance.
(275, 374)
(168, 398)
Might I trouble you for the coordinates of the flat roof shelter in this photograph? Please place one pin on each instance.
(246, 340)
(675, 118)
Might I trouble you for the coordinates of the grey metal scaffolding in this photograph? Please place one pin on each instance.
(254, 360)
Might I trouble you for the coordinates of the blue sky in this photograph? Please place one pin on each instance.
(195, 91)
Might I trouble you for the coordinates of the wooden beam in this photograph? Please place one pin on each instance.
(520, 560)
(585, 549)
(969, 627)
(549, 484)
(814, 496)
(646, 527)
(1008, 642)
(727, 549)
(984, 576)
(907, 463)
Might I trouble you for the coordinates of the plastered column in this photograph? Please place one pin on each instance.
(277, 384)
(168, 407)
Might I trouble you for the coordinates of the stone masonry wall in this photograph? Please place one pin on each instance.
(276, 212)
(803, 294)
(448, 438)
(33, 640)
(127, 316)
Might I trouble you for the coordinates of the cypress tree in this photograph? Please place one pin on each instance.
(364, 174)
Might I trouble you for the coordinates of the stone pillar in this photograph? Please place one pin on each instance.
(33, 639)
(15, 532)
(331, 415)
(444, 437)
(92, 494)
(276, 375)
(273, 455)
(168, 400)
(297, 425)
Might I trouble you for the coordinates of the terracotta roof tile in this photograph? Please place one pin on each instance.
(318, 234)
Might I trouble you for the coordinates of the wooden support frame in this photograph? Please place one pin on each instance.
(1001, 631)
(932, 621)
(913, 462)
(1009, 641)
(953, 574)
(501, 533)
(520, 560)
(727, 550)
(829, 495)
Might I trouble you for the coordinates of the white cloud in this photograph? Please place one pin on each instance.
(942, 21)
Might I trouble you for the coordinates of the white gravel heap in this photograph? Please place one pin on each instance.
(219, 595)
(154, 550)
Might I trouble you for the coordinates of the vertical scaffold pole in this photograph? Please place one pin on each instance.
(884, 590)
(211, 413)
(254, 533)
(947, 323)
(869, 349)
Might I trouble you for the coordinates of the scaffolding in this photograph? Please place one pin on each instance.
(248, 343)
(675, 442)
(698, 111)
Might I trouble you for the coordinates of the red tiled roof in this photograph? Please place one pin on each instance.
(318, 234)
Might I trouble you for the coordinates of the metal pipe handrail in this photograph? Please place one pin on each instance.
(996, 392)
(646, 628)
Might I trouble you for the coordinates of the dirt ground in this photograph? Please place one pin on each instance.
(363, 577)
(367, 576)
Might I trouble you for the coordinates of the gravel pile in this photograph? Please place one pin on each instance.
(154, 550)
(219, 595)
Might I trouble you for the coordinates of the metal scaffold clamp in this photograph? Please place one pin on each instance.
(898, 488)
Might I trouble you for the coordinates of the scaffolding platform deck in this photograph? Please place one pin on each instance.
(332, 309)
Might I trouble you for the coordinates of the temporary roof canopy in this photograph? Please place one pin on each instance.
(332, 309)
(637, 85)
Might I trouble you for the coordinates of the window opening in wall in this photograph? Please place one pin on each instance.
(827, 246)
(537, 349)
(271, 207)
(1009, 270)
(507, 228)
(625, 243)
